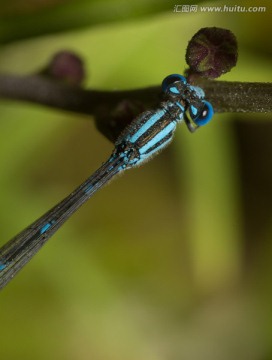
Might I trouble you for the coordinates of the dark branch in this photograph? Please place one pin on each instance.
(114, 109)
(234, 96)
(44, 91)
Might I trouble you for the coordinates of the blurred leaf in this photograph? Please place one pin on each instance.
(123, 278)
(30, 18)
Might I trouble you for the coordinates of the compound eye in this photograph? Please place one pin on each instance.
(168, 84)
(201, 116)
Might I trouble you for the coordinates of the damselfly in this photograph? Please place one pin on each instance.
(145, 136)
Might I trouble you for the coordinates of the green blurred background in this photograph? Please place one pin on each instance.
(170, 261)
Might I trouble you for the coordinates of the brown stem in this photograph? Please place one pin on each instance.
(113, 110)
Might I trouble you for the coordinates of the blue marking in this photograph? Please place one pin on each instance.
(200, 93)
(122, 167)
(193, 109)
(170, 127)
(2, 266)
(180, 116)
(174, 90)
(180, 106)
(147, 125)
(171, 79)
(45, 228)
(145, 157)
(89, 188)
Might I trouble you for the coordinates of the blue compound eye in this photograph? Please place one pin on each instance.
(170, 80)
(203, 116)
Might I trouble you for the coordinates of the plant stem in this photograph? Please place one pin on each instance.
(224, 96)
